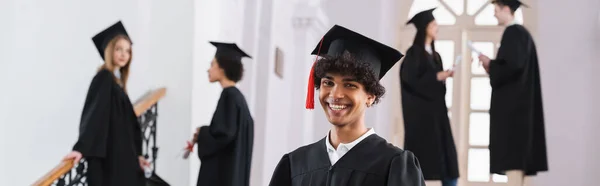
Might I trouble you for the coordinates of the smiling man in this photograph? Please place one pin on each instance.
(347, 78)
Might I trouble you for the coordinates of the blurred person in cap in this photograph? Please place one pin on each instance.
(517, 134)
(110, 137)
(426, 124)
(225, 146)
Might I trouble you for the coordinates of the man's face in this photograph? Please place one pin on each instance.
(502, 14)
(343, 99)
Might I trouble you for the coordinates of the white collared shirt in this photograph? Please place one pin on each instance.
(513, 22)
(117, 74)
(343, 148)
(428, 49)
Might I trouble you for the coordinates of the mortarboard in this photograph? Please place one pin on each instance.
(512, 4)
(229, 50)
(339, 40)
(101, 39)
(422, 19)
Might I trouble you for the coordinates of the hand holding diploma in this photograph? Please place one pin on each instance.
(443, 75)
(470, 45)
(485, 61)
(457, 61)
(144, 164)
(190, 144)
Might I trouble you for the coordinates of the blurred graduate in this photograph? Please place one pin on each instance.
(517, 134)
(423, 83)
(110, 137)
(225, 146)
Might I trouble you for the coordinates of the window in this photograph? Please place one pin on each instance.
(441, 14)
(475, 5)
(479, 165)
(446, 50)
(449, 92)
(457, 6)
(481, 93)
(479, 129)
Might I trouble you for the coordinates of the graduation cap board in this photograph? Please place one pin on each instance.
(422, 19)
(229, 50)
(101, 39)
(512, 4)
(339, 40)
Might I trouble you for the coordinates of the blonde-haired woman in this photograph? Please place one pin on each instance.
(110, 137)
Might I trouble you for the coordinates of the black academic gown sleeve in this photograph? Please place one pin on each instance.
(138, 138)
(225, 147)
(417, 75)
(512, 57)
(94, 125)
(405, 170)
(282, 174)
(222, 130)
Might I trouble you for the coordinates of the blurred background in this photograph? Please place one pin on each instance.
(47, 60)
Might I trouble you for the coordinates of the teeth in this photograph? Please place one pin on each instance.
(337, 107)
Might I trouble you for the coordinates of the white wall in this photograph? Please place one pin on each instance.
(569, 67)
(6, 15)
(262, 46)
(48, 60)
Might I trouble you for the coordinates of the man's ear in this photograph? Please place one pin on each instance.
(506, 8)
(371, 99)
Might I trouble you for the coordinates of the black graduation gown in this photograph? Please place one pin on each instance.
(110, 138)
(427, 127)
(372, 162)
(225, 147)
(517, 136)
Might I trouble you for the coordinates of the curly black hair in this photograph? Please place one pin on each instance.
(234, 70)
(348, 65)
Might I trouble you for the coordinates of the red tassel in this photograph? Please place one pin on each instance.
(310, 94)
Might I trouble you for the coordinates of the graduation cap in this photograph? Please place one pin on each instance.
(339, 40)
(229, 50)
(101, 39)
(422, 19)
(512, 4)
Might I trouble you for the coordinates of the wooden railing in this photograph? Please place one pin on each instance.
(145, 103)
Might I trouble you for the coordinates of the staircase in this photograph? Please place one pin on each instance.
(146, 109)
